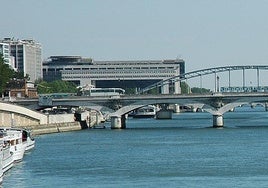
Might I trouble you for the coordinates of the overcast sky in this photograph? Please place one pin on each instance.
(205, 33)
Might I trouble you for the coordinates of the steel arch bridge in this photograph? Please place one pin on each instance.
(207, 71)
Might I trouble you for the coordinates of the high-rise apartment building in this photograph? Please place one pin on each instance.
(5, 51)
(27, 56)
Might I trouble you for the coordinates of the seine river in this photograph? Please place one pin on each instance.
(182, 152)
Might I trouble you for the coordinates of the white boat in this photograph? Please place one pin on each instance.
(26, 137)
(145, 112)
(7, 160)
(17, 146)
(1, 161)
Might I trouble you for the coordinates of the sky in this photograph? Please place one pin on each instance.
(205, 33)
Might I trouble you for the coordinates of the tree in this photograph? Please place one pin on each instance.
(58, 86)
(6, 74)
(185, 89)
(200, 90)
(43, 87)
(18, 75)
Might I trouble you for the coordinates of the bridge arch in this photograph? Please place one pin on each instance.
(126, 109)
(14, 115)
(202, 72)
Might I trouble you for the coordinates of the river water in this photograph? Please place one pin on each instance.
(182, 152)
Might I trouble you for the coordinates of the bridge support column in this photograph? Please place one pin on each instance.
(177, 108)
(165, 88)
(164, 114)
(266, 106)
(123, 121)
(174, 107)
(118, 122)
(194, 109)
(217, 121)
(177, 87)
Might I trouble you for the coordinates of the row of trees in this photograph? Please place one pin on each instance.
(58, 86)
(185, 89)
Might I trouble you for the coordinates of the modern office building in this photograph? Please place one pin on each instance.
(5, 51)
(123, 74)
(26, 55)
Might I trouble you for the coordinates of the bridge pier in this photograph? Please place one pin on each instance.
(164, 114)
(194, 109)
(165, 88)
(176, 108)
(118, 122)
(217, 120)
(266, 106)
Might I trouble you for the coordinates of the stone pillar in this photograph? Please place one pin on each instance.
(165, 88)
(194, 109)
(164, 114)
(116, 122)
(177, 87)
(217, 121)
(123, 121)
(177, 108)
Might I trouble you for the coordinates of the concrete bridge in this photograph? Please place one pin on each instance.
(216, 104)
(11, 115)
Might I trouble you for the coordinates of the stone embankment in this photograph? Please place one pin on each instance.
(47, 122)
(55, 128)
(67, 122)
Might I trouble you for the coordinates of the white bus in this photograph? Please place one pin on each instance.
(104, 92)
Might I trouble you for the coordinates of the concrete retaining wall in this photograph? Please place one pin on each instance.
(38, 123)
(30, 114)
(55, 128)
(60, 118)
(13, 119)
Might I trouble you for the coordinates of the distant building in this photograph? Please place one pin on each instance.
(26, 55)
(5, 51)
(20, 89)
(123, 74)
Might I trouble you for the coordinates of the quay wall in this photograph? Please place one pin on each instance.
(16, 116)
(54, 128)
(60, 118)
(8, 119)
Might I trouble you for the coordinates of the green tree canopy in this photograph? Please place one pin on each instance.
(58, 86)
(200, 90)
(185, 89)
(6, 73)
